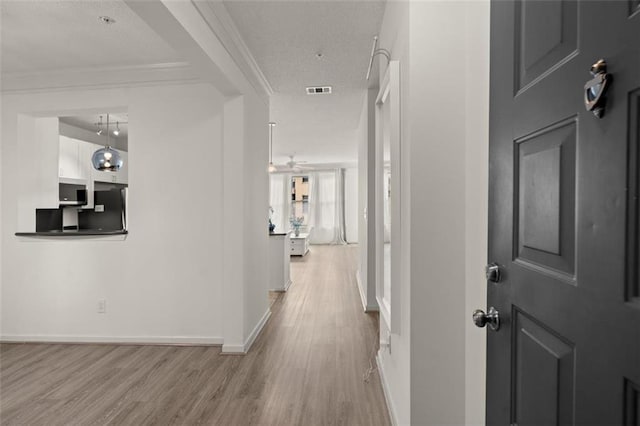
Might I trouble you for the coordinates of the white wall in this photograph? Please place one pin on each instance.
(394, 361)
(198, 240)
(256, 192)
(437, 130)
(1, 179)
(477, 197)
(245, 222)
(163, 282)
(434, 373)
(351, 204)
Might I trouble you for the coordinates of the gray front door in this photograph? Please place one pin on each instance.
(564, 215)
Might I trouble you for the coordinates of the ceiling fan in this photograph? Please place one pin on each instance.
(293, 165)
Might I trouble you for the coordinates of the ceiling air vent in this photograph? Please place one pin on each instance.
(325, 90)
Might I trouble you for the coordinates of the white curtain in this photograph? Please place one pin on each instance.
(326, 207)
(279, 200)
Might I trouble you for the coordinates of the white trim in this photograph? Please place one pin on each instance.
(130, 340)
(243, 349)
(385, 314)
(99, 78)
(232, 350)
(387, 393)
(389, 93)
(222, 25)
(363, 299)
(256, 330)
(284, 287)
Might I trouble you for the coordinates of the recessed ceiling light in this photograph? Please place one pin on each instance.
(106, 20)
(319, 55)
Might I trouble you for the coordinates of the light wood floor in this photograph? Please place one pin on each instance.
(306, 368)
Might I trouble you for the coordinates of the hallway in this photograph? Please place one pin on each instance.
(306, 367)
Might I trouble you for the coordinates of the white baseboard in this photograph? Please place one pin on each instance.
(129, 340)
(244, 348)
(387, 396)
(363, 299)
(285, 287)
(233, 350)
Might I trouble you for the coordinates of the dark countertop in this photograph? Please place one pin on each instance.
(72, 233)
(278, 234)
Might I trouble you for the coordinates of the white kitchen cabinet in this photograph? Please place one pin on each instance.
(84, 154)
(299, 244)
(69, 158)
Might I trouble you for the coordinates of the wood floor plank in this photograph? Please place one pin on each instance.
(307, 367)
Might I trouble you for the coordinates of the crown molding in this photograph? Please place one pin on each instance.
(222, 25)
(104, 77)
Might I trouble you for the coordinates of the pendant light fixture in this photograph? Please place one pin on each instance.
(107, 159)
(272, 168)
(99, 125)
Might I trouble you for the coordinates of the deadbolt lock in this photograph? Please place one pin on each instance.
(492, 272)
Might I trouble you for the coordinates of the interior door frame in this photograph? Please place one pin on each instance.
(389, 94)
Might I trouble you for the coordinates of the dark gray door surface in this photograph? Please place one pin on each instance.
(563, 215)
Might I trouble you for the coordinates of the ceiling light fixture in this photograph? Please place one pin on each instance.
(116, 132)
(107, 20)
(107, 159)
(271, 168)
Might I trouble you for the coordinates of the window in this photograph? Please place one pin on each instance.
(300, 198)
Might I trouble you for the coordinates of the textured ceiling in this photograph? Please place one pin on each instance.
(284, 38)
(62, 34)
(317, 129)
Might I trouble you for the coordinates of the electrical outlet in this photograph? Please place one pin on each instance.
(99, 208)
(387, 342)
(102, 306)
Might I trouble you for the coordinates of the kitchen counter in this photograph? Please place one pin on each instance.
(72, 233)
(278, 234)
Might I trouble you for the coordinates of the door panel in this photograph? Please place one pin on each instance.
(564, 216)
(544, 374)
(544, 204)
(537, 53)
(631, 404)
